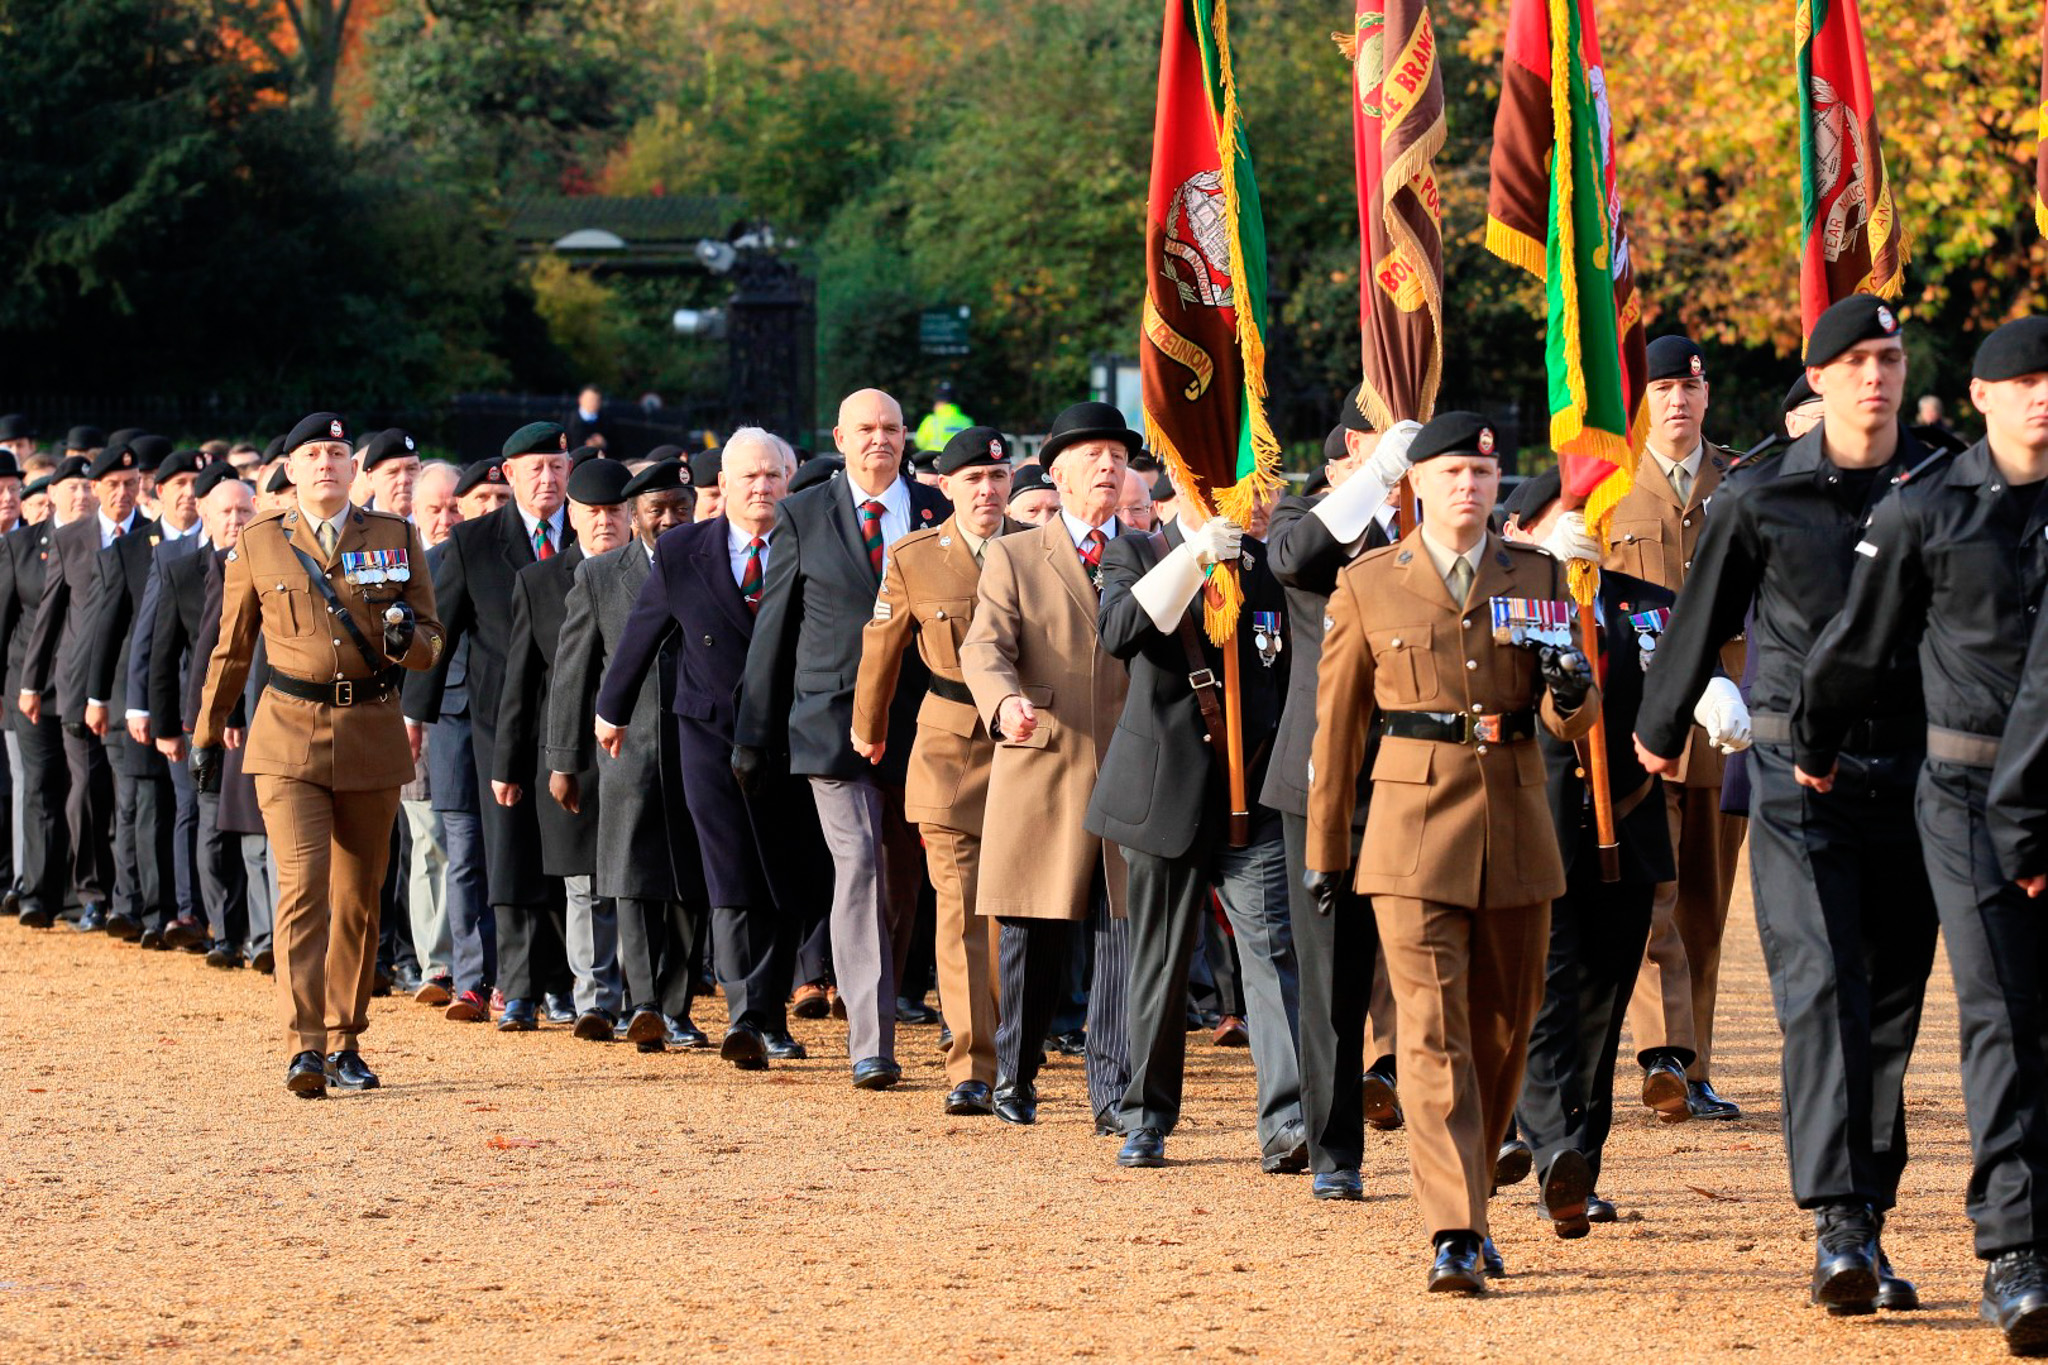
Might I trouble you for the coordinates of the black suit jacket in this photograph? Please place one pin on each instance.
(180, 616)
(24, 560)
(120, 577)
(1643, 832)
(60, 644)
(818, 595)
(1163, 786)
(1306, 559)
(540, 603)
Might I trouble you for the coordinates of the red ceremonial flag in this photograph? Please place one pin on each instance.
(2041, 137)
(1851, 238)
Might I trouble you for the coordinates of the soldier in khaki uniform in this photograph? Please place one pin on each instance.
(1459, 854)
(928, 593)
(1652, 536)
(327, 745)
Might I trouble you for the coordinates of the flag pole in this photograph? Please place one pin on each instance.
(1596, 754)
(1233, 737)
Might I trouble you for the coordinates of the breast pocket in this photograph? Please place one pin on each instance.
(1404, 670)
(289, 608)
(1637, 548)
(943, 624)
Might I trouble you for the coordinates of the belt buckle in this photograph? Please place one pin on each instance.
(1202, 677)
(345, 693)
(1487, 729)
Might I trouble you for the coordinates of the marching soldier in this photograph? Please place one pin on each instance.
(343, 602)
(928, 592)
(1459, 853)
(1955, 561)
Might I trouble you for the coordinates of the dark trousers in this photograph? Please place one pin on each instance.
(46, 834)
(658, 955)
(1998, 952)
(1032, 964)
(751, 972)
(223, 876)
(394, 914)
(810, 949)
(1597, 934)
(533, 947)
(472, 931)
(1226, 974)
(89, 814)
(1848, 927)
(185, 895)
(1336, 954)
(152, 844)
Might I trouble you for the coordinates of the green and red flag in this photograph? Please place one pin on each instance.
(1202, 354)
(1851, 241)
(1553, 208)
(2041, 137)
(1397, 128)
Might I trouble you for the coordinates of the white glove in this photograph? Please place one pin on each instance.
(1165, 592)
(1568, 539)
(1216, 541)
(1346, 510)
(1721, 713)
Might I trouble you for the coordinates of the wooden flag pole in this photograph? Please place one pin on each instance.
(1404, 501)
(1596, 753)
(1233, 738)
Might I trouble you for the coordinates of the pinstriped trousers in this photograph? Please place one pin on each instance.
(1031, 962)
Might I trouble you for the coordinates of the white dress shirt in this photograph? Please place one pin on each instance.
(107, 528)
(1079, 529)
(555, 524)
(895, 500)
(736, 543)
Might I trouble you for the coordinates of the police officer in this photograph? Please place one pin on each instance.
(1459, 854)
(1841, 892)
(343, 602)
(1954, 561)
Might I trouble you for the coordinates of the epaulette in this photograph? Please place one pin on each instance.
(380, 512)
(263, 518)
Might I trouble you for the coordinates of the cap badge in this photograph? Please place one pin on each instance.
(995, 448)
(408, 443)
(334, 428)
(1486, 440)
(1698, 366)
(564, 439)
(126, 459)
(1886, 320)
(496, 475)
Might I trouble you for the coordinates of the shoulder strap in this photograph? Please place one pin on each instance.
(377, 662)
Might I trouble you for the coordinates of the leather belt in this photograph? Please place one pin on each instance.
(1881, 736)
(1456, 727)
(344, 692)
(950, 690)
(1956, 746)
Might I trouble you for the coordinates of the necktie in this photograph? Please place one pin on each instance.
(543, 547)
(117, 532)
(1461, 580)
(871, 533)
(1681, 483)
(325, 535)
(750, 576)
(1091, 556)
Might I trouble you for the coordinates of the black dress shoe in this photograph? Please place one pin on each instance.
(686, 1036)
(186, 932)
(1490, 1260)
(1289, 1155)
(1845, 1259)
(1512, 1164)
(970, 1097)
(306, 1077)
(1665, 1089)
(1895, 1293)
(2016, 1301)
(1563, 1191)
(35, 916)
(347, 1071)
(1381, 1101)
(1342, 1183)
(123, 926)
(10, 901)
(150, 940)
(92, 917)
(647, 1026)
(784, 1048)
(1143, 1148)
(1072, 1043)
(1705, 1104)
(745, 1048)
(380, 981)
(557, 1008)
(1108, 1123)
(594, 1026)
(518, 1017)
(224, 955)
(1456, 1266)
(945, 1043)
(910, 1011)
(264, 961)
(875, 1073)
(1599, 1210)
(1016, 1103)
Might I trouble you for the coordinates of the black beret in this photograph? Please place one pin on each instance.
(15, 426)
(2019, 347)
(1088, 422)
(120, 436)
(180, 462)
(1534, 494)
(274, 449)
(1453, 433)
(582, 453)
(39, 484)
(660, 453)
(1333, 444)
(536, 438)
(1858, 318)
(815, 471)
(1163, 489)
(599, 483)
(976, 445)
(1144, 461)
(481, 473)
(1800, 394)
(280, 479)
(659, 477)
(1351, 418)
(70, 467)
(150, 451)
(1030, 479)
(1318, 482)
(1676, 357)
(704, 466)
(392, 443)
(112, 459)
(84, 438)
(212, 477)
(320, 426)
(924, 461)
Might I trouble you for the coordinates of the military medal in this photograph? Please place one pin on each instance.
(1649, 628)
(1266, 636)
(398, 572)
(1531, 621)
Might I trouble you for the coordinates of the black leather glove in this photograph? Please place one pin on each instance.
(399, 626)
(206, 769)
(749, 769)
(1323, 888)
(1566, 673)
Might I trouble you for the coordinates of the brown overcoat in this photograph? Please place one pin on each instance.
(1034, 634)
(1465, 825)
